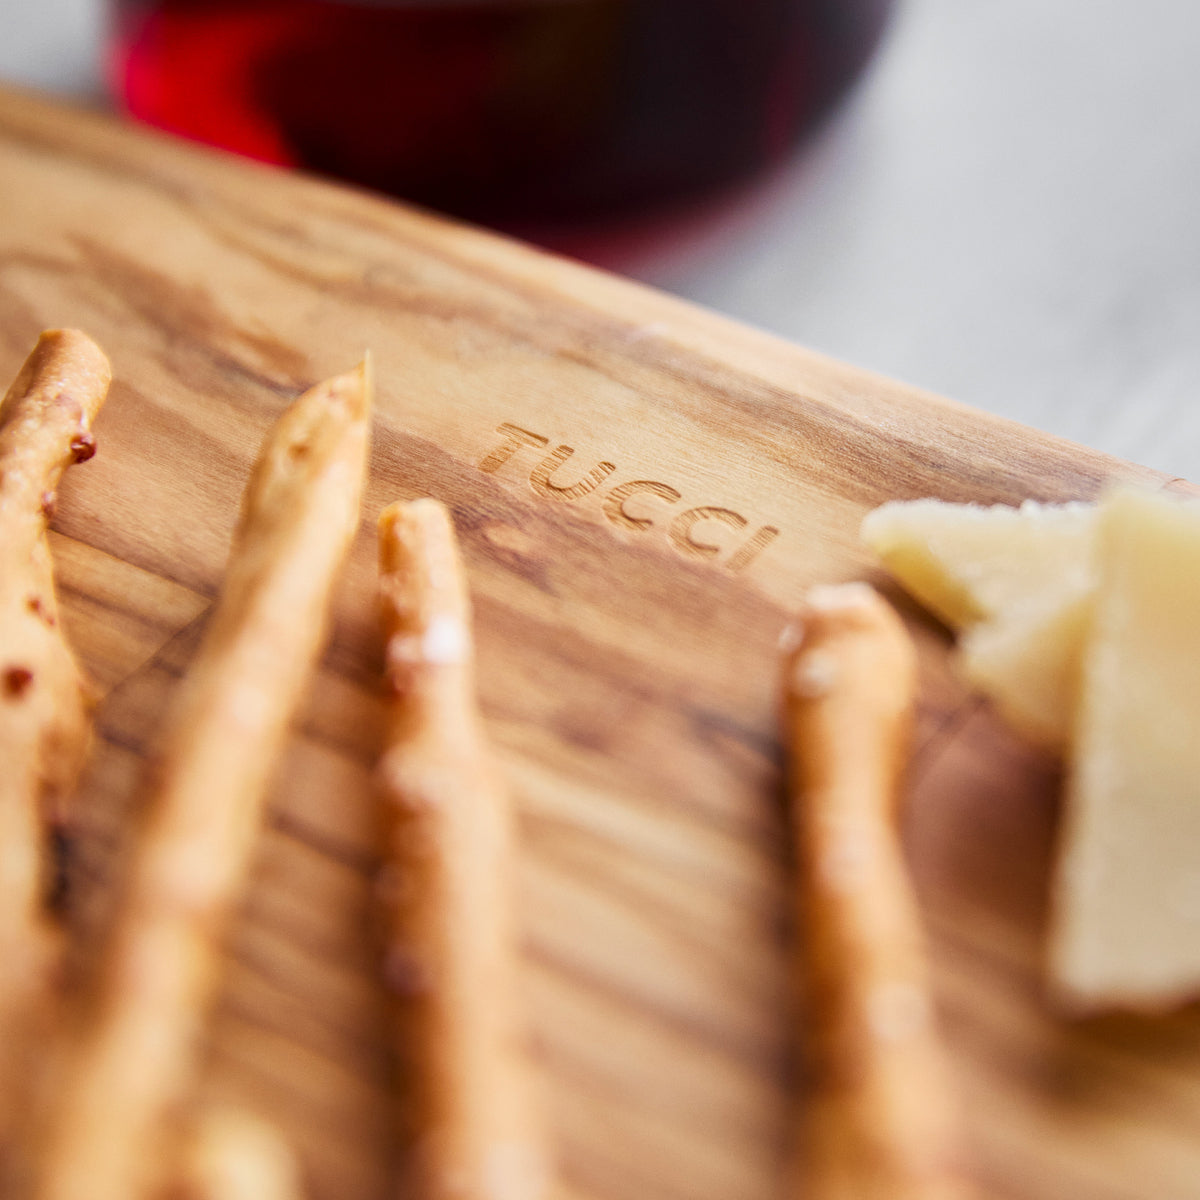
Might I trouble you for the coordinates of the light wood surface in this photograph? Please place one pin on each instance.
(628, 674)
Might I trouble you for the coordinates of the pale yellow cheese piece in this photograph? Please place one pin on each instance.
(1030, 665)
(971, 562)
(1126, 899)
(1018, 580)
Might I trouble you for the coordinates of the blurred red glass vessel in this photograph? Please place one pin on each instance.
(496, 109)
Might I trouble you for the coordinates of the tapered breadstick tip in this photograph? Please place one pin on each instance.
(356, 388)
(353, 389)
(68, 357)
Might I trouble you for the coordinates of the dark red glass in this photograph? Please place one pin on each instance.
(496, 109)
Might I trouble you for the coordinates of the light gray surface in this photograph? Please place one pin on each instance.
(53, 44)
(1005, 212)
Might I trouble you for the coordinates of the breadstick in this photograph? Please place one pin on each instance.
(232, 1155)
(126, 1066)
(450, 959)
(877, 1123)
(45, 727)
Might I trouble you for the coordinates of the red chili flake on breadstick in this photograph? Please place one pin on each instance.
(17, 681)
(878, 1122)
(83, 447)
(36, 605)
(445, 894)
(231, 1154)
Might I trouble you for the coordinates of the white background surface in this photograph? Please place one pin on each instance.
(1007, 211)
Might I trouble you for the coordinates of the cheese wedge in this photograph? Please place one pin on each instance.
(1125, 924)
(969, 562)
(1018, 580)
(1030, 663)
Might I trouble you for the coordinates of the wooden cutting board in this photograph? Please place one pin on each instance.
(643, 489)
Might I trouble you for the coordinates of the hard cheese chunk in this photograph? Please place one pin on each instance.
(970, 562)
(1029, 663)
(1018, 580)
(1126, 912)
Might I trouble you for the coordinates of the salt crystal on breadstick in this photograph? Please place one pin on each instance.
(127, 1063)
(232, 1155)
(45, 726)
(450, 946)
(877, 1122)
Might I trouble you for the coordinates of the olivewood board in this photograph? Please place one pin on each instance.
(665, 486)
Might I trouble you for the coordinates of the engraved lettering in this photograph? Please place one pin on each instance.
(752, 549)
(614, 502)
(540, 478)
(626, 506)
(515, 438)
(682, 528)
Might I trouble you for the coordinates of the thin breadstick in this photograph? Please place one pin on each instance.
(45, 724)
(126, 1066)
(232, 1155)
(451, 958)
(877, 1122)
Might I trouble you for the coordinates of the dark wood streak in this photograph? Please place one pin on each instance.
(347, 854)
(193, 315)
(767, 1059)
(842, 439)
(773, 413)
(671, 919)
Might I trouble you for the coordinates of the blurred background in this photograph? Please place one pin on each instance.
(1000, 206)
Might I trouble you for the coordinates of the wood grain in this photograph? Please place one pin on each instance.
(627, 673)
